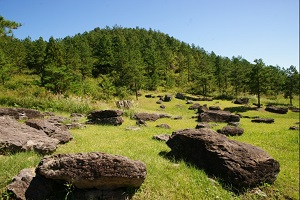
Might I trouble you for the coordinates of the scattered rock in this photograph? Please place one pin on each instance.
(93, 170)
(177, 117)
(189, 102)
(79, 115)
(163, 137)
(214, 108)
(180, 96)
(124, 104)
(218, 116)
(148, 95)
(159, 102)
(146, 116)
(162, 106)
(133, 128)
(294, 128)
(166, 126)
(238, 164)
(263, 120)
(294, 109)
(17, 137)
(20, 113)
(167, 98)
(202, 125)
(202, 109)
(279, 110)
(195, 106)
(233, 124)
(164, 115)
(241, 101)
(110, 117)
(141, 122)
(62, 134)
(231, 131)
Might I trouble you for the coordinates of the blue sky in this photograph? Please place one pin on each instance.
(267, 29)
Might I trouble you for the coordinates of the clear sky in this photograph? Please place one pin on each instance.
(267, 29)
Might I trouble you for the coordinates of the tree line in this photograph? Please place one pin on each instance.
(126, 60)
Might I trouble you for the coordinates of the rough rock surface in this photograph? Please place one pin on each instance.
(263, 120)
(53, 131)
(214, 108)
(110, 117)
(146, 116)
(194, 106)
(239, 164)
(202, 125)
(17, 137)
(241, 101)
(124, 104)
(162, 137)
(231, 131)
(218, 116)
(93, 170)
(294, 128)
(20, 113)
(279, 110)
(166, 126)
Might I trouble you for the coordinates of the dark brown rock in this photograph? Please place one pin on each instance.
(202, 109)
(218, 116)
(52, 130)
(231, 131)
(294, 128)
(93, 170)
(241, 101)
(202, 125)
(163, 137)
(146, 116)
(109, 117)
(20, 113)
(263, 120)
(238, 164)
(279, 110)
(166, 126)
(180, 96)
(214, 108)
(195, 106)
(141, 122)
(17, 137)
(28, 185)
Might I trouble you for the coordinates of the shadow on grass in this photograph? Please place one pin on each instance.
(239, 109)
(225, 185)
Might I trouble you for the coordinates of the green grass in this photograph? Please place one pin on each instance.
(167, 179)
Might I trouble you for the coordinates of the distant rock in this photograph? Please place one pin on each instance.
(214, 108)
(218, 116)
(163, 137)
(195, 106)
(202, 125)
(231, 131)
(263, 120)
(20, 113)
(124, 104)
(146, 116)
(166, 126)
(180, 96)
(279, 110)
(241, 101)
(294, 128)
(109, 117)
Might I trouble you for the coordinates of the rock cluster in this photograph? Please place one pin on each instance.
(238, 164)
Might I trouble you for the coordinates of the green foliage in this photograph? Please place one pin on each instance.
(6, 26)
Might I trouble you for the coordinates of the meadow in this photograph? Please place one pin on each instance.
(168, 179)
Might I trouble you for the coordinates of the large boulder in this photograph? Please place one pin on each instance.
(110, 117)
(93, 170)
(217, 116)
(59, 132)
(20, 113)
(238, 164)
(279, 110)
(17, 137)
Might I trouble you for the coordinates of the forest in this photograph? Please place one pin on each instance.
(117, 62)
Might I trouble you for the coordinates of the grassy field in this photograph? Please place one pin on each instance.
(167, 179)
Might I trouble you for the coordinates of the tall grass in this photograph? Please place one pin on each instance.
(168, 179)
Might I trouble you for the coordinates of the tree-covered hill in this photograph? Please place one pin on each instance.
(117, 60)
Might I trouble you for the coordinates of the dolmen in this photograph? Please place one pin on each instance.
(238, 164)
(93, 175)
(106, 117)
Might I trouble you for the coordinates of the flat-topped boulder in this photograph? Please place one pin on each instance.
(93, 170)
(279, 110)
(20, 113)
(238, 164)
(59, 131)
(109, 117)
(18, 137)
(241, 101)
(218, 116)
